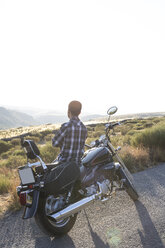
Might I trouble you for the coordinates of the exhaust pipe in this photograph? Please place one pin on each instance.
(74, 208)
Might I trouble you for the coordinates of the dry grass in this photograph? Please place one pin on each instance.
(12, 132)
(14, 204)
(9, 180)
(136, 159)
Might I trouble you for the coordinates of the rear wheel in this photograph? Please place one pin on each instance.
(49, 226)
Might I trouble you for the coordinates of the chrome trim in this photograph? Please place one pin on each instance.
(76, 207)
(41, 163)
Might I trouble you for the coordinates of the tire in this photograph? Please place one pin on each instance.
(131, 191)
(51, 227)
(128, 185)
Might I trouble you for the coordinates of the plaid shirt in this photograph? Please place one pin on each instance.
(71, 140)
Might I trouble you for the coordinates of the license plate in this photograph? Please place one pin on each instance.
(26, 176)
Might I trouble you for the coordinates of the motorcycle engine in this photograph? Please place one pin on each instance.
(103, 186)
(54, 204)
(91, 190)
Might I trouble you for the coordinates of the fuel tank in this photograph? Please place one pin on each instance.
(96, 156)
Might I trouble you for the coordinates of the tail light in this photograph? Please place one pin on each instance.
(22, 198)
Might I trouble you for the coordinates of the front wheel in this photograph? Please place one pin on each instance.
(49, 226)
(128, 185)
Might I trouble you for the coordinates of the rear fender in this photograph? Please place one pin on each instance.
(29, 212)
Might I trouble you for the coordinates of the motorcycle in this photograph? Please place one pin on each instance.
(100, 177)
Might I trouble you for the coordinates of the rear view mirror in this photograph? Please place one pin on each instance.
(112, 110)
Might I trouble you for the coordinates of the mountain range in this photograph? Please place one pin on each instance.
(12, 118)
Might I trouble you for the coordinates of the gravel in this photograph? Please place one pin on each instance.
(117, 223)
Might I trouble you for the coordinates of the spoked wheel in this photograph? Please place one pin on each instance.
(49, 226)
(128, 184)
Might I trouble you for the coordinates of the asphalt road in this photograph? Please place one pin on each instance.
(117, 223)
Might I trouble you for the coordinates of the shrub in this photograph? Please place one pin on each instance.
(152, 137)
(136, 159)
(49, 153)
(120, 140)
(15, 204)
(48, 137)
(15, 142)
(45, 132)
(5, 184)
(100, 128)
(97, 134)
(125, 129)
(89, 128)
(19, 152)
(34, 138)
(5, 155)
(14, 162)
(157, 154)
(4, 146)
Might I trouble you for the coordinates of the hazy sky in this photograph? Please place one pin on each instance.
(100, 52)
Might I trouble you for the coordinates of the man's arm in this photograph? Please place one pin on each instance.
(59, 136)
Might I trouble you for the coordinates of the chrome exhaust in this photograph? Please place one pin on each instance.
(74, 208)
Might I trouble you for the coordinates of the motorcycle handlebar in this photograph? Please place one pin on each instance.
(108, 127)
(111, 126)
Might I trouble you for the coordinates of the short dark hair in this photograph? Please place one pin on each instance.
(75, 107)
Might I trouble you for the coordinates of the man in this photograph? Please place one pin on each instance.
(71, 136)
(71, 140)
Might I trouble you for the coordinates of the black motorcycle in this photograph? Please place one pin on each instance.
(100, 177)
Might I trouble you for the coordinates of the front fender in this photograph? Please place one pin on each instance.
(29, 212)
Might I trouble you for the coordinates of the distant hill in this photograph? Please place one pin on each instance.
(53, 118)
(133, 116)
(11, 119)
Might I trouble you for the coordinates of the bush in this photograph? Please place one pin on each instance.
(19, 152)
(34, 138)
(45, 132)
(157, 154)
(5, 184)
(48, 138)
(5, 155)
(4, 146)
(152, 137)
(97, 134)
(49, 153)
(15, 204)
(100, 128)
(136, 159)
(14, 162)
(15, 142)
(120, 140)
